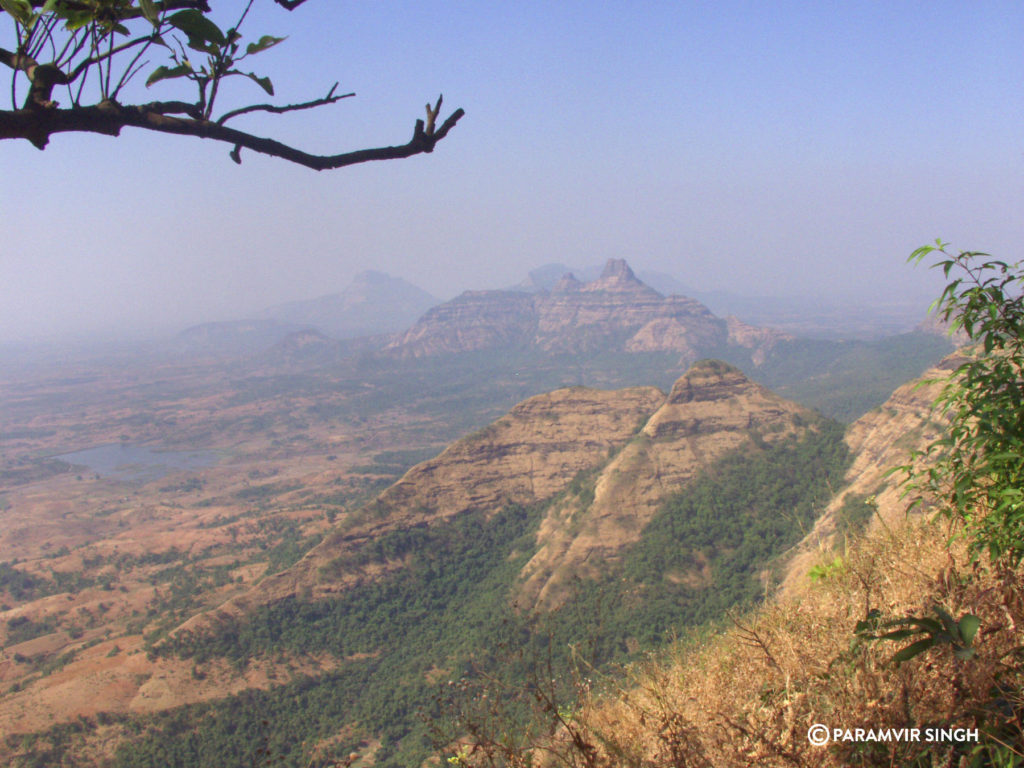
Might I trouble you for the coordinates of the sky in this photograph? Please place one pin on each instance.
(777, 149)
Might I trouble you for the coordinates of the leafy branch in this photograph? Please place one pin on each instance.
(977, 468)
(98, 47)
(938, 631)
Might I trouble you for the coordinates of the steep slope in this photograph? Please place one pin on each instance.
(605, 461)
(880, 440)
(525, 457)
(615, 312)
(712, 410)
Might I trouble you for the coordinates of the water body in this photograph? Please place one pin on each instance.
(138, 463)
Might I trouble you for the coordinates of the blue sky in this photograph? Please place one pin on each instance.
(763, 148)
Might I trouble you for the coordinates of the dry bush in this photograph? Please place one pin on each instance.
(749, 696)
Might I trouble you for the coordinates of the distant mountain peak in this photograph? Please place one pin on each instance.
(617, 268)
(372, 277)
(618, 277)
(373, 303)
(567, 283)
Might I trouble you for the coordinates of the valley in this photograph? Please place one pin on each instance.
(334, 517)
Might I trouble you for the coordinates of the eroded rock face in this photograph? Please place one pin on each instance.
(761, 340)
(474, 321)
(615, 312)
(879, 440)
(712, 410)
(528, 455)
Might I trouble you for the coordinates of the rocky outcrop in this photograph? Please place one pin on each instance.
(712, 410)
(761, 341)
(474, 321)
(528, 455)
(880, 440)
(615, 312)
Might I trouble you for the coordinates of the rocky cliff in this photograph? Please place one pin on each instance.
(880, 440)
(712, 410)
(615, 312)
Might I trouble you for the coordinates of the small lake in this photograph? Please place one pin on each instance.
(138, 463)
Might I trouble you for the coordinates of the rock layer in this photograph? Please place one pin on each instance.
(616, 312)
(712, 410)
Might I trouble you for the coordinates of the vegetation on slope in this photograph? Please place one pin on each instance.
(911, 636)
(447, 614)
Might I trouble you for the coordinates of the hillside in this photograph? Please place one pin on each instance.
(455, 556)
(372, 304)
(868, 633)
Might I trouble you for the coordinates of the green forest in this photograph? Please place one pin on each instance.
(449, 615)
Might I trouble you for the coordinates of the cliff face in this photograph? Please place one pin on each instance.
(615, 312)
(527, 456)
(711, 411)
(474, 321)
(880, 440)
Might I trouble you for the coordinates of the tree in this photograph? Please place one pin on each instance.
(979, 470)
(88, 51)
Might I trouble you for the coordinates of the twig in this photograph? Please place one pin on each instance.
(330, 98)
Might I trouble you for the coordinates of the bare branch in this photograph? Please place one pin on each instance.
(108, 117)
(330, 98)
(41, 76)
(112, 51)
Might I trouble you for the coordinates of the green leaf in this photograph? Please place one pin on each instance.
(913, 650)
(166, 73)
(196, 25)
(149, 10)
(968, 626)
(197, 44)
(947, 620)
(77, 19)
(267, 41)
(21, 10)
(263, 82)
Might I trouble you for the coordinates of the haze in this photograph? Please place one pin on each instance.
(761, 148)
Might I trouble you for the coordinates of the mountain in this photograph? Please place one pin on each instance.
(712, 410)
(602, 462)
(615, 312)
(374, 303)
(561, 506)
(233, 337)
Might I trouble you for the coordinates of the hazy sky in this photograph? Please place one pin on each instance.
(759, 147)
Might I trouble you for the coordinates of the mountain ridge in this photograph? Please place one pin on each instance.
(615, 311)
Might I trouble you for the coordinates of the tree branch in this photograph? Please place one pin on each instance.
(166, 5)
(330, 98)
(113, 51)
(108, 118)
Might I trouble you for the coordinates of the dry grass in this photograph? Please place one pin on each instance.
(749, 695)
